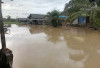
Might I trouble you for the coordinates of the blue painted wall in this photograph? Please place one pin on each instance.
(81, 20)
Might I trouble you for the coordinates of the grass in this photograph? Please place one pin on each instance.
(9, 23)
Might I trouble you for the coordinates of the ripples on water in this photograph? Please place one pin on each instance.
(47, 47)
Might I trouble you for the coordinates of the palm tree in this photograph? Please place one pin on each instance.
(53, 16)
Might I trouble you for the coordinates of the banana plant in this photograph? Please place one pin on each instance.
(54, 16)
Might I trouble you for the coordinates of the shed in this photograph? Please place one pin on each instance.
(23, 20)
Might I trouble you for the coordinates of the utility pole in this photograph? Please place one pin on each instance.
(6, 56)
(3, 41)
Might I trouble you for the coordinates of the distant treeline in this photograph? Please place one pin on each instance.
(9, 20)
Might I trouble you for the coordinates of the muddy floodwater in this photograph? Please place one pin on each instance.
(48, 47)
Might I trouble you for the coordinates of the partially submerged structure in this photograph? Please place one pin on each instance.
(25, 20)
(40, 19)
(36, 19)
(82, 21)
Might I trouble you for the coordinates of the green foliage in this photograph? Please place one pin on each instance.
(8, 17)
(98, 2)
(12, 22)
(97, 23)
(76, 5)
(54, 16)
(84, 8)
(96, 17)
(54, 23)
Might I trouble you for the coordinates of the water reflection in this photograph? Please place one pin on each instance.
(48, 47)
(86, 41)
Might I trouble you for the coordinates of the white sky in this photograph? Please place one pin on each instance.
(22, 8)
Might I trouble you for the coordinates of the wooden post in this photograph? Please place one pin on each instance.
(3, 42)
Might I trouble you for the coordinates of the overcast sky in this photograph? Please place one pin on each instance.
(22, 8)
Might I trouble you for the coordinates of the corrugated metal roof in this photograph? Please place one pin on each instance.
(36, 16)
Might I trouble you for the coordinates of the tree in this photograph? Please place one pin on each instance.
(76, 5)
(8, 18)
(83, 8)
(91, 0)
(98, 2)
(54, 15)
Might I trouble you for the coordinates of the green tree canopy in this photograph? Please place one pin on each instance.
(54, 15)
(78, 8)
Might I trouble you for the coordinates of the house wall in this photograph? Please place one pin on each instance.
(23, 20)
(81, 20)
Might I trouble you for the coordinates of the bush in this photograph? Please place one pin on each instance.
(54, 23)
(97, 23)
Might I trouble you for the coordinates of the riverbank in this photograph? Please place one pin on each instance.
(17, 23)
(9, 23)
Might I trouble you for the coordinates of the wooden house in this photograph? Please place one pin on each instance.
(36, 19)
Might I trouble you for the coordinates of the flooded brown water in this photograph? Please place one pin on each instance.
(47, 47)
